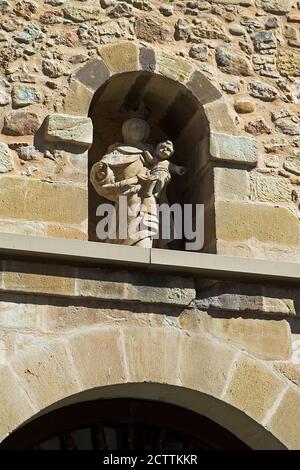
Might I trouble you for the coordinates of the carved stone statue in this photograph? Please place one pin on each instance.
(141, 173)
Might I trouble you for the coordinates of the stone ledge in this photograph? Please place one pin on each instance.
(102, 254)
(95, 283)
(248, 298)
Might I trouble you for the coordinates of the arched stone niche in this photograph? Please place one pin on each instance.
(172, 112)
(179, 103)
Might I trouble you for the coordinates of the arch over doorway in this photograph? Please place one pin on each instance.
(196, 372)
(122, 424)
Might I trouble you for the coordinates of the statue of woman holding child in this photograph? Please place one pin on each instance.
(137, 171)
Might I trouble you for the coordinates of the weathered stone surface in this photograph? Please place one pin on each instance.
(205, 364)
(268, 224)
(120, 58)
(253, 388)
(78, 99)
(147, 59)
(174, 67)
(207, 28)
(285, 421)
(45, 373)
(244, 3)
(23, 95)
(102, 350)
(203, 90)
(264, 41)
(53, 69)
(244, 105)
(93, 74)
(257, 127)
(265, 339)
(292, 163)
(4, 98)
(273, 189)
(279, 7)
(6, 161)
(143, 350)
(147, 29)
(288, 63)
(110, 285)
(237, 30)
(290, 370)
(17, 278)
(199, 52)
(233, 62)
(231, 184)
(120, 10)
(233, 148)
(70, 129)
(79, 13)
(219, 116)
(10, 394)
(246, 298)
(288, 127)
(40, 201)
(21, 123)
(262, 91)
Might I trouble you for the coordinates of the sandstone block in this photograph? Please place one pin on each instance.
(80, 13)
(288, 62)
(23, 95)
(266, 339)
(233, 62)
(233, 148)
(93, 74)
(219, 117)
(253, 388)
(292, 163)
(203, 89)
(98, 357)
(285, 422)
(238, 221)
(174, 67)
(231, 184)
(123, 57)
(21, 123)
(205, 364)
(6, 161)
(70, 129)
(17, 277)
(246, 298)
(40, 201)
(45, 371)
(78, 99)
(115, 285)
(273, 189)
(15, 406)
(152, 354)
(290, 370)
(278, 7)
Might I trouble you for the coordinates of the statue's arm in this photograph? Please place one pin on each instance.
(176, 169)
(148, 157)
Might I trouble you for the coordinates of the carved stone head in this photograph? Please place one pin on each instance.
(135, 131)
(165, 150)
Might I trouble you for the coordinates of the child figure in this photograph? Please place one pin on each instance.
(161, 167)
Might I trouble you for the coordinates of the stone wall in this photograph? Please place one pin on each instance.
(66, 330)
(247, 49)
